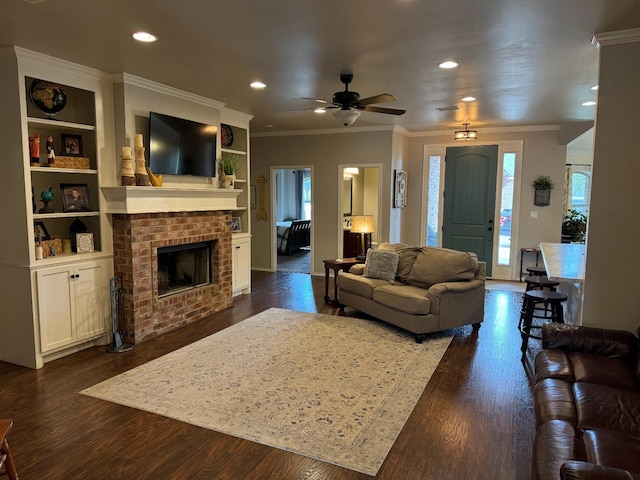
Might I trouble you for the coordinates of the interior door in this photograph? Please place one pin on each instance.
(469, 200)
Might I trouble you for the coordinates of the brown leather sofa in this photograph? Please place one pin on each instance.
(587, 404)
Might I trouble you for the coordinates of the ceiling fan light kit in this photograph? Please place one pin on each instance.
(466, 134)
(346, 117)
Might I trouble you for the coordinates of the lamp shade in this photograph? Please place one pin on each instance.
(362, 224)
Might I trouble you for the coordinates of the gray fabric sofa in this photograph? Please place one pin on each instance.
(432, 289)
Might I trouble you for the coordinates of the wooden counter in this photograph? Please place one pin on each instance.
(565, 263)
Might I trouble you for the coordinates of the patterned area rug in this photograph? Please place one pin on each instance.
(337, 389)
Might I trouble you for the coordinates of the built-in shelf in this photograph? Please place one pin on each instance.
(41, 216)
(168, 199)
(64, 170)
(58, 124)
(229, 150)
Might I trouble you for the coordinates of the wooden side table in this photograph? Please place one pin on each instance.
(336, 264)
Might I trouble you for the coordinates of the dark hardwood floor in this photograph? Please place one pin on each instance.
(474, 420)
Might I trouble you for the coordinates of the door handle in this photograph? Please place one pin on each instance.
(490, 229)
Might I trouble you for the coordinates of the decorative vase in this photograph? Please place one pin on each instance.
(229, 182)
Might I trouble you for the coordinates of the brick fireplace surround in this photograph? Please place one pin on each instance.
(136, 239)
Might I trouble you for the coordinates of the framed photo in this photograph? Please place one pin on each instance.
(75, 197)
(40, 231)
(71, 145)
(400, 189)
(236, 224)
(84, 242)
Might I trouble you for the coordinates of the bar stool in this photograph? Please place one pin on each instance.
(540, 282)
(6, 460)
(553, 309)
(536, 270)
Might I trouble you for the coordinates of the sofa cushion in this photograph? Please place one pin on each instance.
(403, 297)
(381, 264)
(407, 256)
(614, 372)
(612, 449)
(601, 407)
(553, 363)
(359, 284)
(436, 265)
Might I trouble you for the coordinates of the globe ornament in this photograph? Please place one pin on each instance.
(47, 97)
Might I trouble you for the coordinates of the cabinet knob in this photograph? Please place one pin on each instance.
(237, 246)
(75, 276)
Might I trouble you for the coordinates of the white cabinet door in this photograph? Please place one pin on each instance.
(56, 307)
(73, 303)
(241, 263)
(92, 300)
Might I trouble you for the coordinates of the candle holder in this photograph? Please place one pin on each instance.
(127, 177)
(142, 178)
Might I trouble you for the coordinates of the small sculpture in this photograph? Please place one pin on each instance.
(51, 154)
(127, 175)
(34, 150)
(142, 177)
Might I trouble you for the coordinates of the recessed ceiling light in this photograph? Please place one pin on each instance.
(595, 87)
(258, 85)
(320, 110)
(144, 37)
(448, 64)
(468, 99)
(588, 104)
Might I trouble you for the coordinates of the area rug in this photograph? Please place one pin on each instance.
(334, 388)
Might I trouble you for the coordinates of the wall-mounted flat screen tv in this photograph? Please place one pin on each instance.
(181, 147)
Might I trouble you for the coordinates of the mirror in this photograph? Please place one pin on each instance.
(360, 195)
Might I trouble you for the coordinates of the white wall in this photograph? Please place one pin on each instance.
(613, 262)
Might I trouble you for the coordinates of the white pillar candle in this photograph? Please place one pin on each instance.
(126, 151)
(137, 140)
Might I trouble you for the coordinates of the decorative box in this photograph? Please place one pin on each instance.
(47, 245)
(70, 162)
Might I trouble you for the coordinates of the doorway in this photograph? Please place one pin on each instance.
(292, 215)
(469, 200)
(506, 200)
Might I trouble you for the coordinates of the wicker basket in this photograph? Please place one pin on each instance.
(47, 245)
(70, 162)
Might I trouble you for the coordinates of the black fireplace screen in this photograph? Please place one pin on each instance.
(183, 267)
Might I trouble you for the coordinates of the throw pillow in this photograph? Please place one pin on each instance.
(437, 265)
(381, 264)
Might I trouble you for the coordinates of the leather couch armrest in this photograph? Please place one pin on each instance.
(600, 341)
(575, 470)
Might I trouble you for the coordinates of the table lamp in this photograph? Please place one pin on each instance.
(362, 225)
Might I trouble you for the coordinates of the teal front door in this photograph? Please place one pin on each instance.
(469, 200)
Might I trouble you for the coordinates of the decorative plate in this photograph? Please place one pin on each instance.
(226, 135)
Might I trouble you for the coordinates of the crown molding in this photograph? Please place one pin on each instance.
(325, 131)
(136, 81)
(614, 38)
(23, 54)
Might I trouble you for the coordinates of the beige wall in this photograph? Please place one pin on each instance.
(324, 153)
(612, 251)
(542, 155)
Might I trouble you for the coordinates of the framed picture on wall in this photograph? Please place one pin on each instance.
(400, 189)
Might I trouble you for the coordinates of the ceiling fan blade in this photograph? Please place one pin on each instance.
(390, 111)
(383, 97)
(315, 99)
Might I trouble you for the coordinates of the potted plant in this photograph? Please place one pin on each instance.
(574, 226)
(228, 165)
(543, 186)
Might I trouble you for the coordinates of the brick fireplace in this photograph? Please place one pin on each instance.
(137, 238)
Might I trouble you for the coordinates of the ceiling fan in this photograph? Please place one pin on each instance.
(348, 104)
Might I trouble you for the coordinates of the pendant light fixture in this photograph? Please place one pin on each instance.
(466, 134)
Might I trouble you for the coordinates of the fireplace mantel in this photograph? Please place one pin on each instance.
(129, 200)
